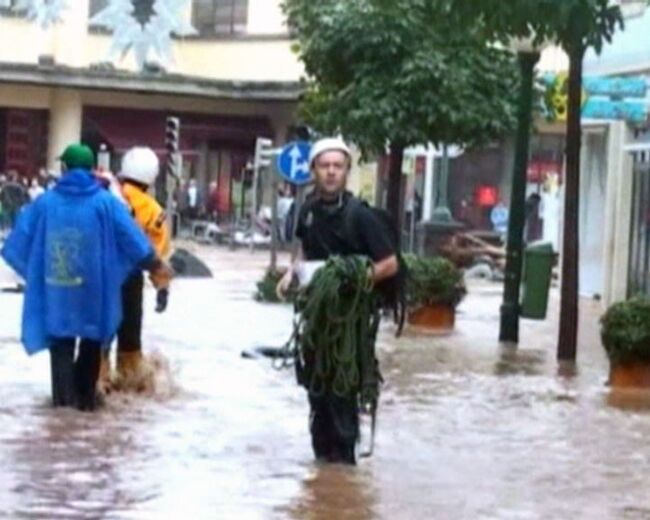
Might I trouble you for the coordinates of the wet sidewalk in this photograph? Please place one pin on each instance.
(467, 429)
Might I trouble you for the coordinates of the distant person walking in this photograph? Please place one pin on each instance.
(13, 197)
(499, 217)
(35, 190)
(193, 199)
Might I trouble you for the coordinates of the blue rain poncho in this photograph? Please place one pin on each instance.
(74, 246)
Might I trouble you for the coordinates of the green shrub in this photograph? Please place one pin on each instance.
(266, 287)
(625, 331)
(433, 281)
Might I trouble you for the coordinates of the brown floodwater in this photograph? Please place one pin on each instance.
(466, 428)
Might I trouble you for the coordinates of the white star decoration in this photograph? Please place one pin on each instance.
(44, 12)
(148, 40)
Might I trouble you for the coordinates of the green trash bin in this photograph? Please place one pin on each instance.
(538, 267)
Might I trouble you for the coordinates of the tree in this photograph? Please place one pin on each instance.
(397, 74)
(576, 25)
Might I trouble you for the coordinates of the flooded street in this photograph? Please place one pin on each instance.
(467, 429)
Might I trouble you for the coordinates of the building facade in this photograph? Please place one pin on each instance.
(230, 78)
(615, 255)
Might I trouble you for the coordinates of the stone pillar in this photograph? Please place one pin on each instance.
(618, 214)
(65, 123)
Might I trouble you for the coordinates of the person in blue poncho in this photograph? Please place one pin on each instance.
(75, 246)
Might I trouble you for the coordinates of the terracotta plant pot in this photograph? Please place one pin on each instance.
(630, 375)
(433, 317)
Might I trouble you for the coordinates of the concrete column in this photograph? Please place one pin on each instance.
(618, 214)
(65, 123)
(429, 178)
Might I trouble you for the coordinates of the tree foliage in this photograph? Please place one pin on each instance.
(625, 331)
(569, 23)
(384, 72)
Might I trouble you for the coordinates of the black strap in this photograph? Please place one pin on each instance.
(351, 210)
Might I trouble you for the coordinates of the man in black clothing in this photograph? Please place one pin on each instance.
(13, 196)
(327, 226)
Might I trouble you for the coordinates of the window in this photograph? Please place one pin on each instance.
(7, 4)
(96, 6)
(211, 17)
(141, 10)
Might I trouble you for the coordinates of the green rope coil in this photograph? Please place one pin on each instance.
(337, 319)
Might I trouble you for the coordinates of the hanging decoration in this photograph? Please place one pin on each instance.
(145, 27)
(44, 12)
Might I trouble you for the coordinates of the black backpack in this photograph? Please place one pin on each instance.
(392, 291)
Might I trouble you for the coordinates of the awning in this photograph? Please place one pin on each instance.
(122, 129)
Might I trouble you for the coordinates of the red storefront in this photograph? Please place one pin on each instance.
(23, 141)
(215, 148)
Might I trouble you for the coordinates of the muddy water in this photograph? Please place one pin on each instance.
(466, 429)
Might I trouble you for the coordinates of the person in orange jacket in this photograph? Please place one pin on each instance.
(140, 167)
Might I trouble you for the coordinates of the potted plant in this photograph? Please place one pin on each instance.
(266, 287)
(625, 333)
(434, 288)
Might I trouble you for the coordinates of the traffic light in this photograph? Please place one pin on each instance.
(263, 153)
(172, 147)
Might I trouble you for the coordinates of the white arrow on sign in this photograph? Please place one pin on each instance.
(298, 164)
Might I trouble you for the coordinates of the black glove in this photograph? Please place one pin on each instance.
(162, 297)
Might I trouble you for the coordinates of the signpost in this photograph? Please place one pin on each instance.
(293, 166)
(293, 163)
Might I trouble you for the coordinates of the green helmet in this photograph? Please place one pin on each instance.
(78, 156)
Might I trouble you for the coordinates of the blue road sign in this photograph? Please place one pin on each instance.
(293, 162)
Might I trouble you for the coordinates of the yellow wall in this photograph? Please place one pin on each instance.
(244, 60)
(251, 58)
(24, 97)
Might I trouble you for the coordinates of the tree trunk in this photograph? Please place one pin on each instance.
(394, 189)
(568, 340)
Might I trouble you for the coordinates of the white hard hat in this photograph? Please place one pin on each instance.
(328, 144)
(140, 164)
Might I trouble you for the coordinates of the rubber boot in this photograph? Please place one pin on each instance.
(133, 372)
(62, 368)
(104, 383)
(86, 374)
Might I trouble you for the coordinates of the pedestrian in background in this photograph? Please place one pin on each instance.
(13, 197)
(75, 246)
(35, 190)
(193, 199)
(212, 202)
(499, 216)
(3, 223)
(285, 203)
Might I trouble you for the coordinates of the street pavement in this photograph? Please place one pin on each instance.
(467, 428)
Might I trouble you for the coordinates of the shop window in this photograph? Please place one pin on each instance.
(220, 17)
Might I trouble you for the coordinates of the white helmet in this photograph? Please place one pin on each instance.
(328, 144)
(140, 164)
